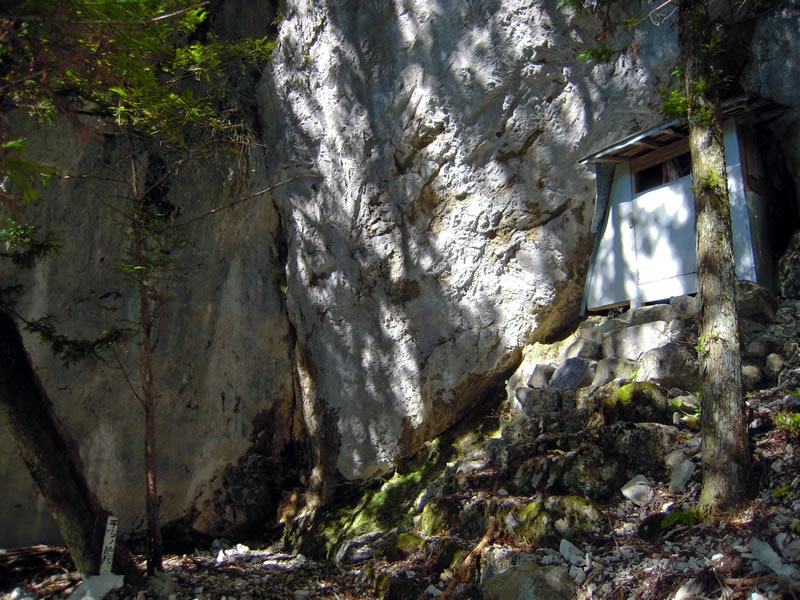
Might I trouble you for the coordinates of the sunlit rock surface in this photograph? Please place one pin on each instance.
(437, 218)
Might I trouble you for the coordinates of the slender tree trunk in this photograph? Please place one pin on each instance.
(148, 400)
(154, 542)
(725, 452)
(52, 457)
(147, 394)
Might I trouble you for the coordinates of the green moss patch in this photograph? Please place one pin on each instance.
(544, 522)
(382, 509)
(637, 402)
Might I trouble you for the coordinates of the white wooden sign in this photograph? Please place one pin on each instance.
(109, 543)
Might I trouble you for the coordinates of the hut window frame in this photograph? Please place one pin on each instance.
(661, 166)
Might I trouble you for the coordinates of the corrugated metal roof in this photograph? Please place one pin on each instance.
(639, 144)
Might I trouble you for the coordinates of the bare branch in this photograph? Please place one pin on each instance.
(233, 203)
(127, 377)
(653, 14)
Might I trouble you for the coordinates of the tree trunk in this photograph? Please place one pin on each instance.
(52, 457)
(155, 549)
(154, 543)
(147, 394)
(725, 453)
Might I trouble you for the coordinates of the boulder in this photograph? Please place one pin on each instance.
(544, 522)
(631, 342)
(583, 348)
(644, 445)
(681, 468)
(540, 377)
(364, 547)
(754, 301)
(685, 307)
(773, 365)
(421, 253)
(536, 402)
(401, 585)
(574, 373)
(440, 515)
(752, 375)
(572, 554)
(638, 490)
(649, 314)
(611, 368)
(673, 364)
(425, 216)
(635, 402)
(496, 452)
(594, 471)
(521, 428)
(497, 559)
(530, 582)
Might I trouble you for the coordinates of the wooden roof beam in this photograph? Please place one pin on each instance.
(662, 154)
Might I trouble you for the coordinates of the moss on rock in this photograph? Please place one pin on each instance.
(387, 507)
(405, 544)
(636, 402)
(544, 522)
(440, 515)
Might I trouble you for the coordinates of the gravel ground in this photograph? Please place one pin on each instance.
(750, 554)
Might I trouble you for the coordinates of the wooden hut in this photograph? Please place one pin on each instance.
(644, 213)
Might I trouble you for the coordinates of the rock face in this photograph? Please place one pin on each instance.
(427, 219)
(224, 362)
(437, 219)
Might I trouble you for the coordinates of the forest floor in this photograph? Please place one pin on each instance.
(750, 554)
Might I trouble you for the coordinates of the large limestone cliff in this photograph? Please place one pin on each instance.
(439, 219)
(426, 219)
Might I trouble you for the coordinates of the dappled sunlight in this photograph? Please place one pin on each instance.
(422, 227)
(665, 238)
(440, 227)
(646, 247)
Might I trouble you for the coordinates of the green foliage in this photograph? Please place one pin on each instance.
(70, 350)
(600, 54)
(790, 421)
(698, 75)
(25, 175)
(682, 517)
(209, 60)
(633, 22)
(144, 63)
(674, 103)
(712, 181)
(782, 491)
(24, 245)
